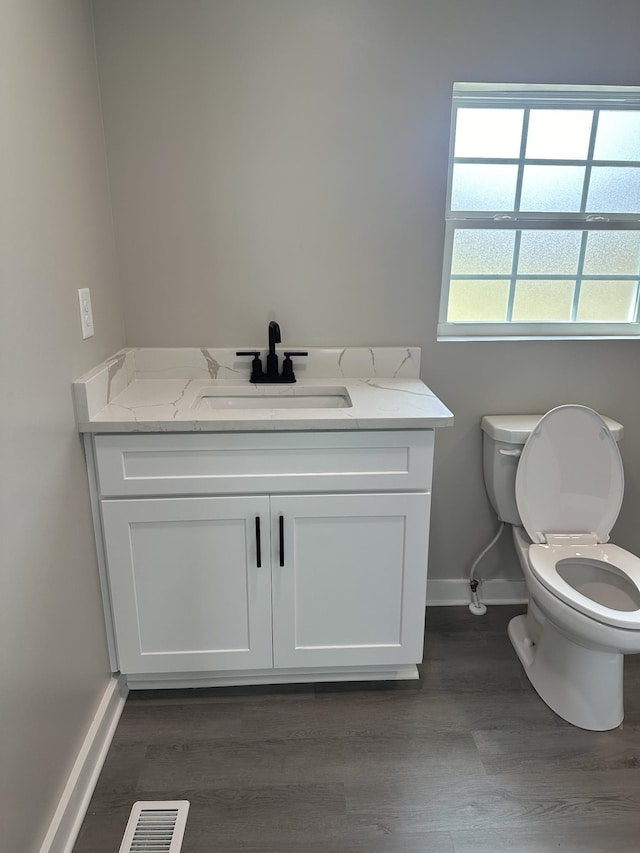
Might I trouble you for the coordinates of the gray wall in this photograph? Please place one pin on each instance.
(268, 158)
(287, 158)
(55, 236)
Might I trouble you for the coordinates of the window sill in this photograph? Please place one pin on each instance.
(538, 331)
(476, 338)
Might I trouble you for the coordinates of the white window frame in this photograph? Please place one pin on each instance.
(526, 97)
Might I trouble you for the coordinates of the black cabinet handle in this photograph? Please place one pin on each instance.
(281, 525)
(258, 545)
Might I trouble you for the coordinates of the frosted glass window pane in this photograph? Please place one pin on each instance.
(612, 253)
(482, 251)
(484, 301)
(612, 301)
(614, 190)
(618, 136)
(549, 252)
(552, 188)
(559, 134)
(543, 301)
(483, 187)
(488, 133)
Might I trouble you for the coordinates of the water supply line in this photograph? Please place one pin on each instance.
(476, 606)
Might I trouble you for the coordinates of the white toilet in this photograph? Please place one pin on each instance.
(564, 486)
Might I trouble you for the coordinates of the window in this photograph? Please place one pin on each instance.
(543, 213)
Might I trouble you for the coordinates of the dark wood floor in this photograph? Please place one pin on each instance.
(467, 759)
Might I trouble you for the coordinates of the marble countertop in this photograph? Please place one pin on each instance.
(159, 390)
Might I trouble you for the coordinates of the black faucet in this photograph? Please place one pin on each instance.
(272, 358)
(272, 375)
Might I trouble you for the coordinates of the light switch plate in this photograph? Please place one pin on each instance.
(86, 314)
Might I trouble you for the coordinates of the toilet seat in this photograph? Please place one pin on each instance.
(569, 487)
(569, 479)
(544, 561)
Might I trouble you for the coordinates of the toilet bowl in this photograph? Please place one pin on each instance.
(584, 593)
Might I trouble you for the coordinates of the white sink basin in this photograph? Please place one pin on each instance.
(273, 397)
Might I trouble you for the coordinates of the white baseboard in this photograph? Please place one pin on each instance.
(450, 592)
(67, 820)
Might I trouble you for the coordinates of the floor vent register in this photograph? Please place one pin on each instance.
(155, 827)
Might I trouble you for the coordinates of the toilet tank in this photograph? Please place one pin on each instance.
(503, 437)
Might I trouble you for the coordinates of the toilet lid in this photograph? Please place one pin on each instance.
(570, 478)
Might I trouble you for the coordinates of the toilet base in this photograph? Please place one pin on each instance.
(583, 686)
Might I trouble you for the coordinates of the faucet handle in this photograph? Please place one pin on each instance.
(256, 364)
(287, 366)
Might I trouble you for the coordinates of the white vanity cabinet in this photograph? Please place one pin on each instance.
(245, 558)
(349, 588)
(186, 591)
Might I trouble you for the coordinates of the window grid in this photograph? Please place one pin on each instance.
(523, 149)
(516, 220)
(542, 277)
(579, 279)
(514, 272)
(588, 163)
(636, 307)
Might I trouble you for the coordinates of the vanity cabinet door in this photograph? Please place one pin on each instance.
(190, 590)
(349, 577)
